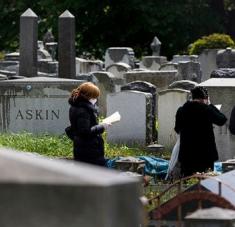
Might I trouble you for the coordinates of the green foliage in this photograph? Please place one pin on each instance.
(133, 23)
(213, 41)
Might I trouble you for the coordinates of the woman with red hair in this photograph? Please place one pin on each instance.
(88, 144)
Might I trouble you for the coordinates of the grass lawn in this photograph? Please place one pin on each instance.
(61, 146)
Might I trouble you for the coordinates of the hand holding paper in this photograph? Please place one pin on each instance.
(115, 117)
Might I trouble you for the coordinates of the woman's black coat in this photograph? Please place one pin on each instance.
(88, 144)
(194, 123)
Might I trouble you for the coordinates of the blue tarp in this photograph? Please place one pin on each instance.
(153, 165)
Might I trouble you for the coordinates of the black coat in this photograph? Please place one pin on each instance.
(194, 123)
(88, 144)
(232, 121)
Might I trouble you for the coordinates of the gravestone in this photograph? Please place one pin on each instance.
(183, 84)
(168, 103)
(179, 58)
(207, 61)
(189, 71)
(66, 46)
(135, 126)
(223, 73)
(28, 44)
(107, 84)
(86, 66)
(118, 69)
(211, 217)
(152, 62)
(36, 191)
(222, 91)
(36, 105)
(161, 79)
(226, 58)
(169, 66)
(147, 88)
(120, 54)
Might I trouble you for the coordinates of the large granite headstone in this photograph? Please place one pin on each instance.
(222, 91)
(28, 44)
(135, 126)
(147, 88)
(119, 54)
(39, 192)
(66, 46)
(36, 105)
(168, 102)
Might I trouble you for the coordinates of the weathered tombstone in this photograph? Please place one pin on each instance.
(86, 66)
(135, 126)
(28, 44)
(222, 91)
(107, 83)
(223, 73)
(153, 62)
(118, 69)
(226, 58)
(37, 105)
(189, 71)
(207, 61)
(168, 102)
(178, 58)
(161, 79)
(119, 54)
(211, 217)
(66, 46)
(36, 191)
(147, 88)
(169, 66)
(183, 84)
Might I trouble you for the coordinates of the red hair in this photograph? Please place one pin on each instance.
(86, 90)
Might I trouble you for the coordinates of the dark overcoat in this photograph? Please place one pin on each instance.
(88, 144)
(194, 122)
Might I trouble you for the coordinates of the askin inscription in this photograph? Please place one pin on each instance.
(37, 114)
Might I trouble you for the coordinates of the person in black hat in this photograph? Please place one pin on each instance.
(194, 122)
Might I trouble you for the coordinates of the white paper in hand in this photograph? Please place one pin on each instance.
(112, 118)
(218, 106)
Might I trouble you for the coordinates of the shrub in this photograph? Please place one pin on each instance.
(213, 41)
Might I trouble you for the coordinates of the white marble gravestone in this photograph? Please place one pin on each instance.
(135, 109)
(168, 102)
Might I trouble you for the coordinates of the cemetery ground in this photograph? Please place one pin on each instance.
(54, 146)
(60, 147)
